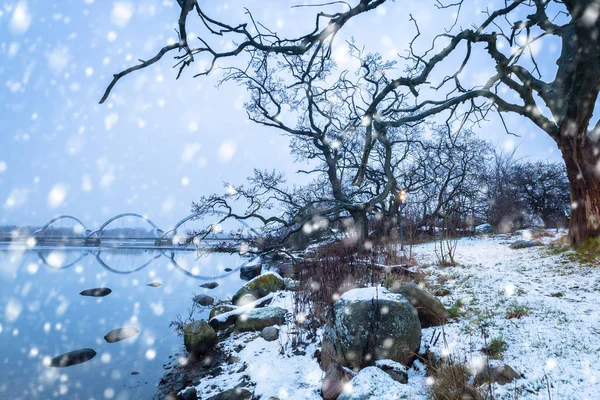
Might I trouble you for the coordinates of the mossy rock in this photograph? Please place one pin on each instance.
(392, 324)
(199, 337)
(261, 286)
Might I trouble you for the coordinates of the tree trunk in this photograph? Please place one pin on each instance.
(580, 154)
(361, 226)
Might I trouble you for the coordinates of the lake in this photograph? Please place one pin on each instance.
(43, 316)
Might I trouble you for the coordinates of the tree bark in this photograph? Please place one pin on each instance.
(361, 226)
(580, 154)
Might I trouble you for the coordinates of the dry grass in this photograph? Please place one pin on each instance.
(540, 233)
(516, 310)
(337, 268)
(451, 382)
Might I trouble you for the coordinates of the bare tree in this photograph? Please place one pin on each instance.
(504, 205)
(568, 97)
(544, 188)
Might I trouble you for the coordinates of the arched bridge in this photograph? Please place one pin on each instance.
(131, 229)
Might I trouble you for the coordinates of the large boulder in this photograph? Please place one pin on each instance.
(199, 337)
(371, 324)
(259, 318)
(260, 286)
(431, 311)
(372, 383)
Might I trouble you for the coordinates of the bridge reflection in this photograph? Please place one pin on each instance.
(131, 260)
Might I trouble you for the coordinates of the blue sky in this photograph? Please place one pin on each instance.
(157, 144)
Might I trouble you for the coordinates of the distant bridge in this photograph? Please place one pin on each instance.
(131, 229)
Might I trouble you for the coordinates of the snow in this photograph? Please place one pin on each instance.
(370, 293)
(557, 343)
(270, 365)
(559, 339)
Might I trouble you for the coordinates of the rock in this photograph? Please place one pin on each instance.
(210, 285)
(395, 370)
(391, 321)
(248, 272)
(233, 394)
(291, 284)
(369, 384)
(484, 229)
(523, 244)
(199, 337)
(204, 300)
(260, 286)
(245, 300)
(270, 333)
(227, 269)
(97, 292)
(227, 319)
(154, 284)
(116, 335)
(495, 371)
(190, 394)
(431, 311)
(220, 309)
(259, 318)
(72, 358)
(333, 383)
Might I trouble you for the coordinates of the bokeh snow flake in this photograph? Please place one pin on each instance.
(57, 195)
(121, 13)
(21, 19)
(226, 151)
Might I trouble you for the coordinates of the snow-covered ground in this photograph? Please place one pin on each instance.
(557, 344)
(556, 347)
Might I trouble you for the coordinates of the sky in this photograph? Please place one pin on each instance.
(157, 144)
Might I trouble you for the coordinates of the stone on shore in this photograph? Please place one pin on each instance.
(431, 311)
(270, 333)
(199, 337)
(204, 300)
(259, 318)
(260, 286)
(248, 272)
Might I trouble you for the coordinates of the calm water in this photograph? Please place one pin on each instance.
(43, 315)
